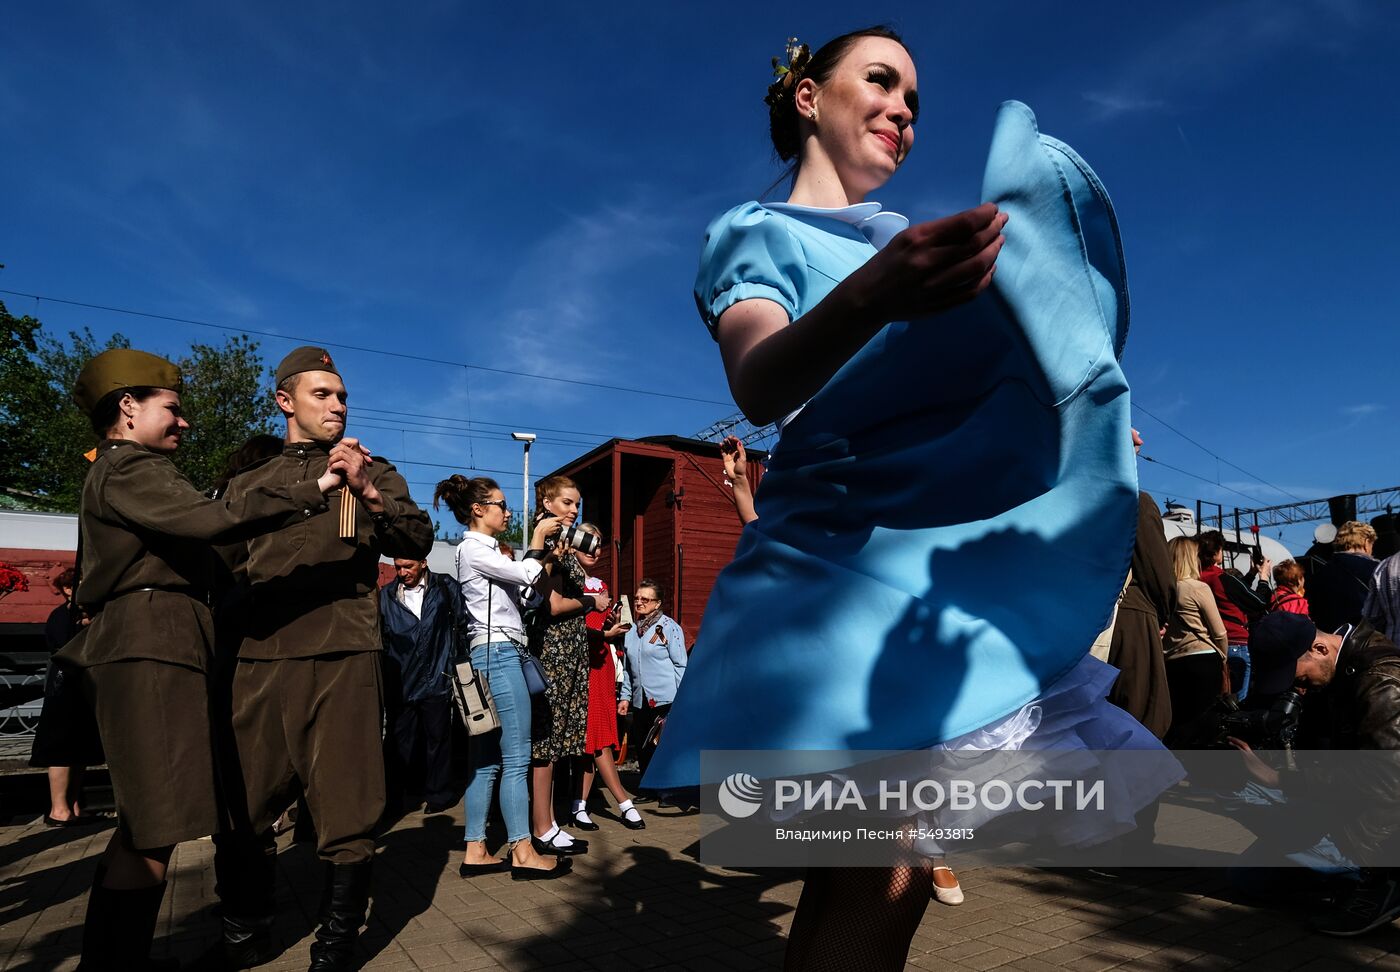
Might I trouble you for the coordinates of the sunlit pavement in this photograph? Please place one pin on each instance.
(639, 900)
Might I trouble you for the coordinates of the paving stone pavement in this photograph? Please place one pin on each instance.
(639, 900)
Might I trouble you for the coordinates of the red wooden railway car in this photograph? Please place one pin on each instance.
(663, 503)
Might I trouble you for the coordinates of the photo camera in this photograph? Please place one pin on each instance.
(576, 538)
(1273, 727)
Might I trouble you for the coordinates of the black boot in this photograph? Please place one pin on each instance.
(348, 897)
(245, 873)
(119, 927)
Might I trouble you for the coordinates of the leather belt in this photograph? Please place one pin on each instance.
(496, 635)
(197, 593)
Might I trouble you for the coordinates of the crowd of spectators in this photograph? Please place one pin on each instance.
(573, 676)
(1190, 631)
(1317, 642)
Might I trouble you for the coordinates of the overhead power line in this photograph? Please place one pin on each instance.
(1187, 472)
(1219, 458)
(388, 425)
(468, 423)
(516, 426)
(382, 352)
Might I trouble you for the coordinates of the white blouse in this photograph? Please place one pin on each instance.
(480, 567)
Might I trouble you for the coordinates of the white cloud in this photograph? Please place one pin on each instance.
(560, 308)
(1361, 411)
(1206, 53)
(1112, 104)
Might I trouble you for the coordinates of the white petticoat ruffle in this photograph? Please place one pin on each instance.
(1058, 735)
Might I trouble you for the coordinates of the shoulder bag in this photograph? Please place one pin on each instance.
(470, 689)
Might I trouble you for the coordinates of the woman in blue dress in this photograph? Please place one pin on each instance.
(918, 462)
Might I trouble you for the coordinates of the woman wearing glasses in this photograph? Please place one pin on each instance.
(494, 587)
(656, 659)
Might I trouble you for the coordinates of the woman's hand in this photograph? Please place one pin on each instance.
(736, 460)
(616, 631)
(336, 474)
(774, 365)
(540, 536)
(601, 601)
(931, 267)
(622, 708)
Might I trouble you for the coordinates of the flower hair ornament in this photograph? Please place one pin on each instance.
(786, 76)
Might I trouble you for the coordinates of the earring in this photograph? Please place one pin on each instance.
(812, 114)
(130, 424)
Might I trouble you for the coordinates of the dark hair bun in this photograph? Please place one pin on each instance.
(461, 494)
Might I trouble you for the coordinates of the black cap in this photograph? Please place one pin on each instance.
(1276, 643)
(302, 359)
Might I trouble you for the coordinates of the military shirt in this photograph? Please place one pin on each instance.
(311, 592)
(147, 560)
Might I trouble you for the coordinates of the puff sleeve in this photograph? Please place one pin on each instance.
(749, 252)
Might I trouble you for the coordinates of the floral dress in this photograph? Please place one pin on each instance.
(560, 716)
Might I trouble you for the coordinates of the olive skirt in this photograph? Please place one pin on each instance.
(154, 721)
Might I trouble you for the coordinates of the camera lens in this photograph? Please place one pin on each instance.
(581, 540)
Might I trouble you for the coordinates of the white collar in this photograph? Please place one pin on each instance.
(479, 537)
(876, 225)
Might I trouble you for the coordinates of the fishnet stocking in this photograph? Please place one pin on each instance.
(858, 918)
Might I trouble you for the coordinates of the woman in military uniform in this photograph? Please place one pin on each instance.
(146, 560)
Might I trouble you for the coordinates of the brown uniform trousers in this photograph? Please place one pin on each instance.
(307, 701)
(318, 721)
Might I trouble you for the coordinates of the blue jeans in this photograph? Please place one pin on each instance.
(502, 753)
(1238, 663)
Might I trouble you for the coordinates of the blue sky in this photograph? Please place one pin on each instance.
(525, 188)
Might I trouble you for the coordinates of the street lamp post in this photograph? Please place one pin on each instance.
(527, 438)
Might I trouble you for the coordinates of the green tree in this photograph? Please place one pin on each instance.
(226, 402)
(43, 435)
(19, 379)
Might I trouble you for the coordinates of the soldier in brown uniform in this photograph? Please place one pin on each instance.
(146, 568)
(306, 693)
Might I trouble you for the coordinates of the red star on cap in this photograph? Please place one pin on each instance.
(325, 357)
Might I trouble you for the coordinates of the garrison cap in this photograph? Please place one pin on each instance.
(302, 359)
(122, 368)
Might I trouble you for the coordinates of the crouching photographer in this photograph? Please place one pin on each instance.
(1353, 800)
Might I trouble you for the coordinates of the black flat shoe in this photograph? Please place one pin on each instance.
(562, 866)
(584, 824)
(472, 870)
(55, 822)
(638, 825)
(549, 847)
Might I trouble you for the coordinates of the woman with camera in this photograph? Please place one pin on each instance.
(560, 641)
(494, 588)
